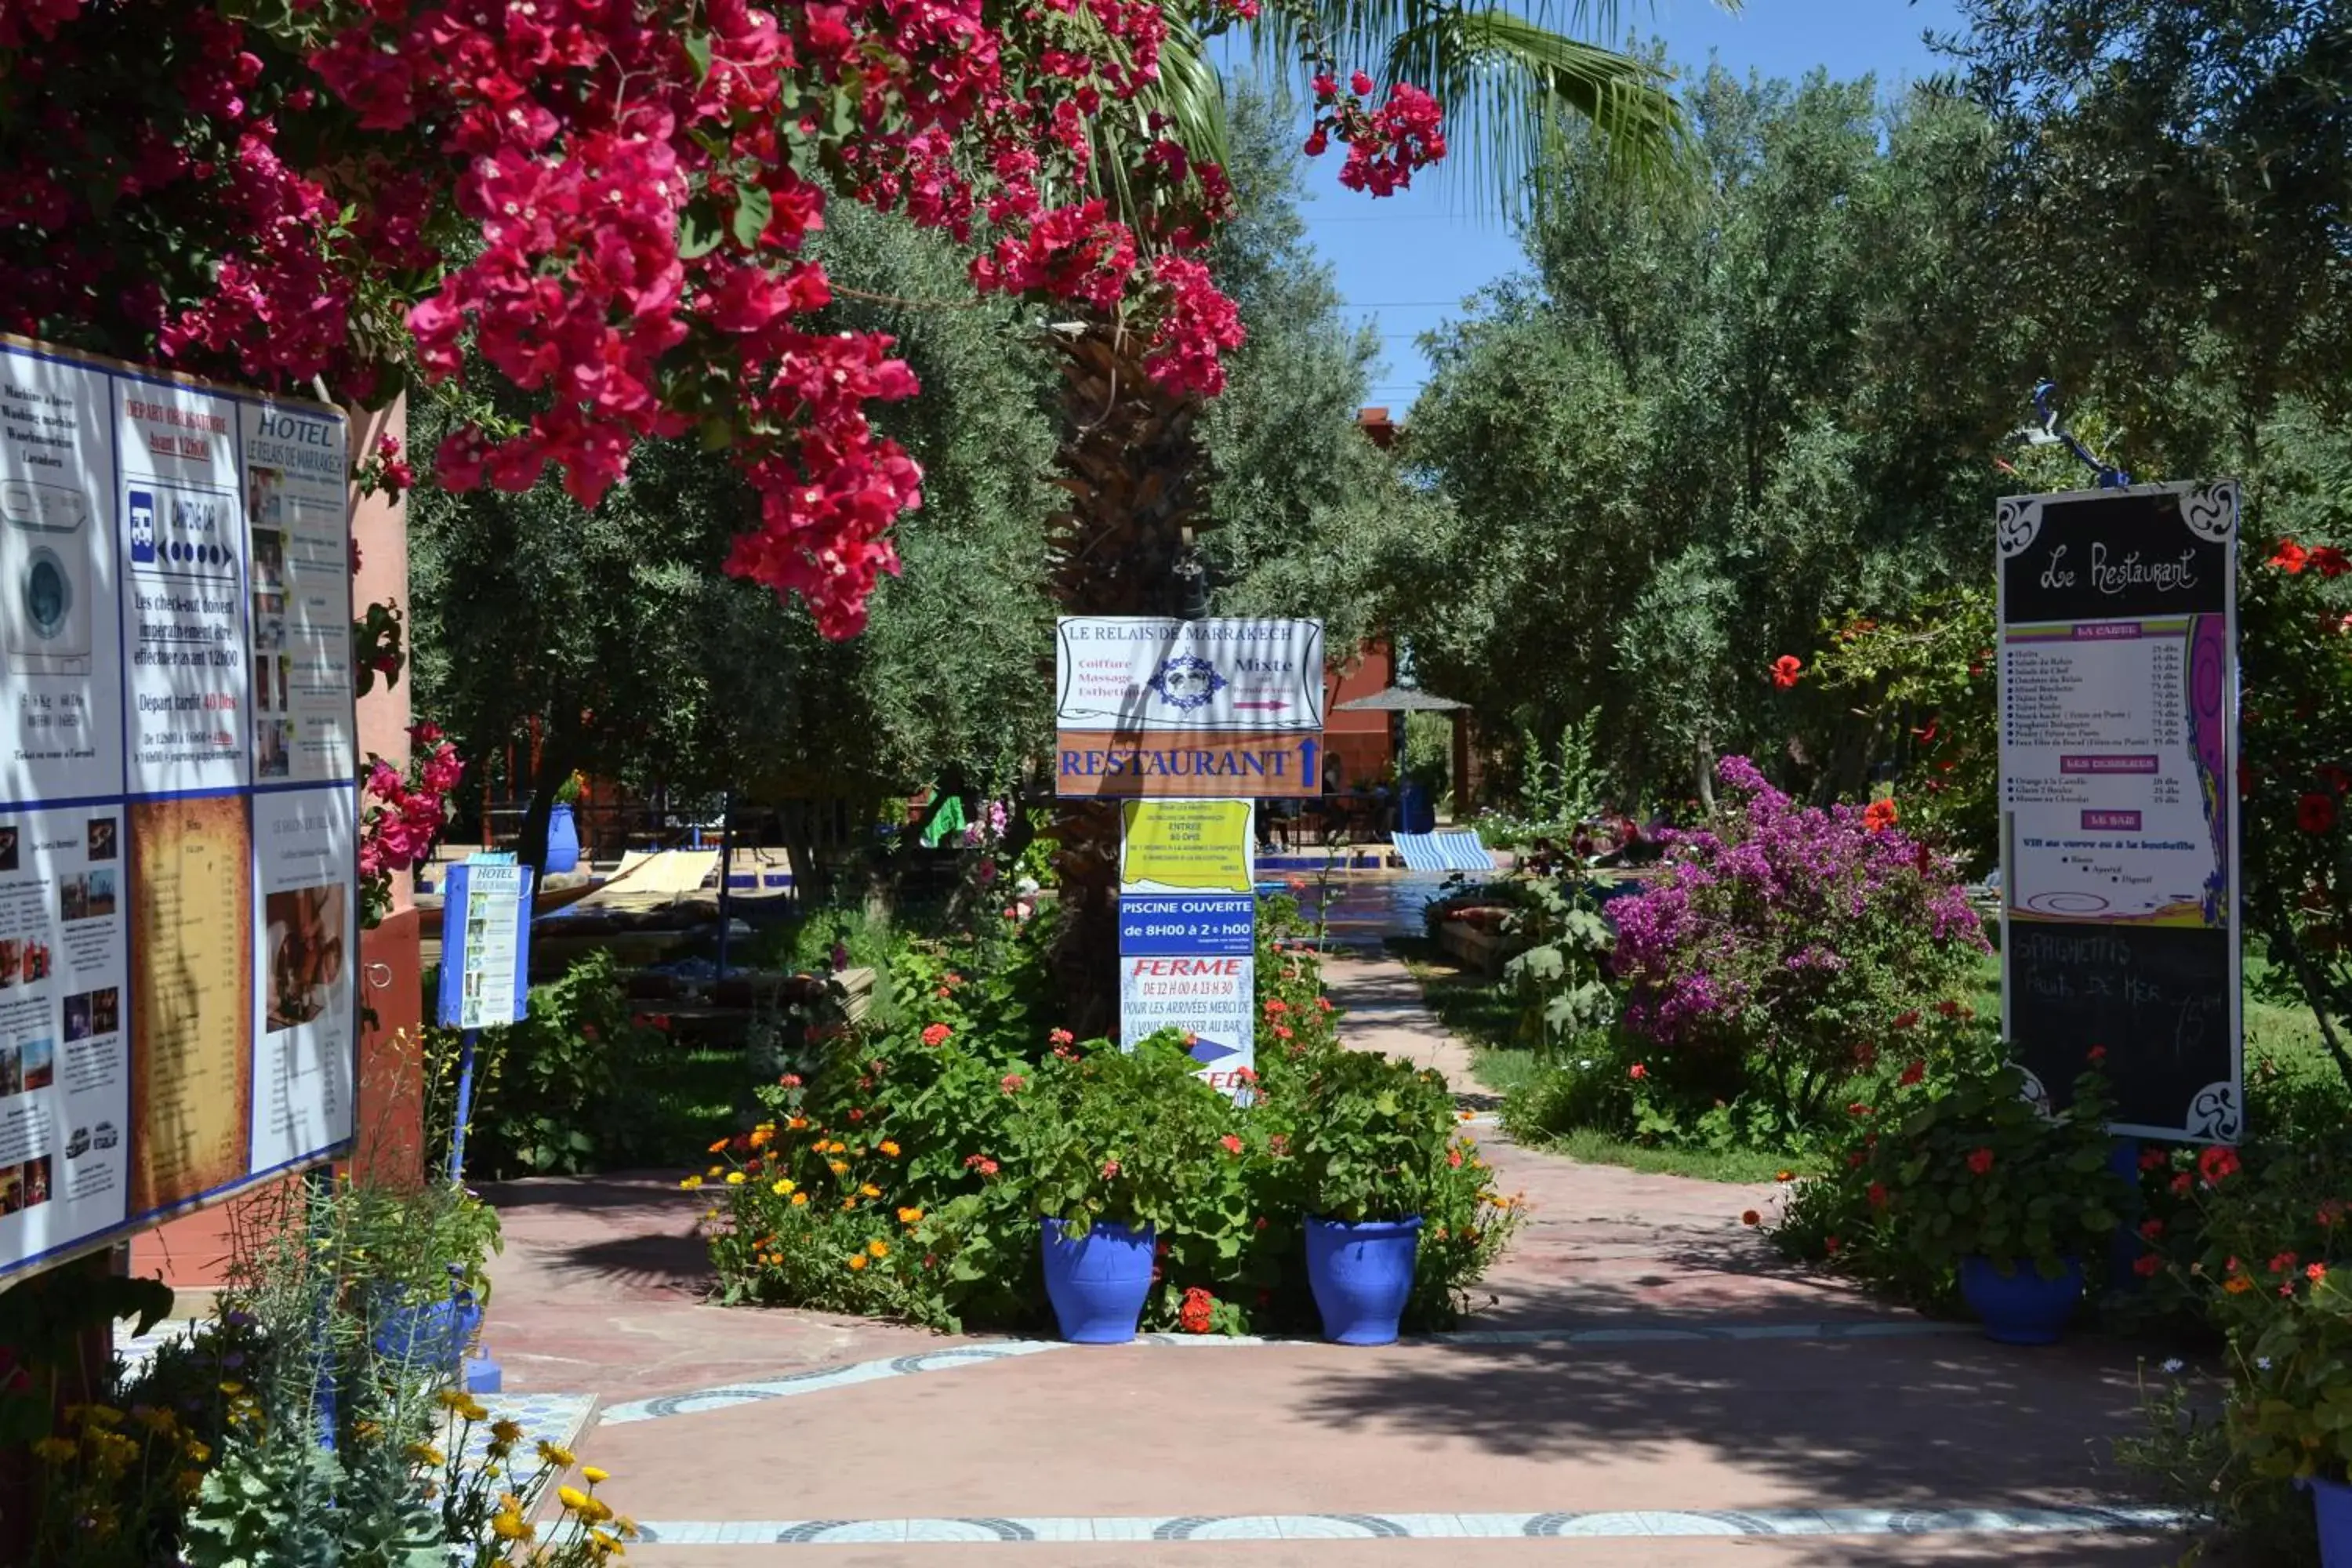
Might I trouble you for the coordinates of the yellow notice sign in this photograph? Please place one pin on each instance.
(1186, 846)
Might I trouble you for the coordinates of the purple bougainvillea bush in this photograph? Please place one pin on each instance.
(1783, 947)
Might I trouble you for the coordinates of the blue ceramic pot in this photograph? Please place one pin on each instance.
(2331, 1503)
(1098, 1281)
(2021, 1308)
(1361, 1276)
(562, 841)
(427, 1333)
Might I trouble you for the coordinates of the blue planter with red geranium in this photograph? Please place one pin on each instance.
(2331, 1504)
(1361, 1276)
(1097, 1281)
(2018, 1304)
(562, 841)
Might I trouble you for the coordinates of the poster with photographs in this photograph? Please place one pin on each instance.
(178, 756)
(307, 957)
(64, 1070)
(298, 541)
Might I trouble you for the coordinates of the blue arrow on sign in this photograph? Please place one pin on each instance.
(1205, 1051)
(1311, 781)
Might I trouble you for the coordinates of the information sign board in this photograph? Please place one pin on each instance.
(2118, 767)
(179, 1009)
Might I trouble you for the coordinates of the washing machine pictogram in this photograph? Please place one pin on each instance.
(46, 567)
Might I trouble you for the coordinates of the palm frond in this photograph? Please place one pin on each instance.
(1511, 86)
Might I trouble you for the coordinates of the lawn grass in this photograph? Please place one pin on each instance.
(695, 1093)
(1595, 1147)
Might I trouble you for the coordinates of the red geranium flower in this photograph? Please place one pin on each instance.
(2217, 1164)
(2290, 557)
(1232, 1144)
(2146, 1264)
(936, 1033)
(2328, 560)
(1787, 671)
(1913, 1074)
(1879, 816)
(2098, 1054)
(1907, 1020)
(1637, 1072)
(2315, 813)
(1878, 1195)
(1980, 1161)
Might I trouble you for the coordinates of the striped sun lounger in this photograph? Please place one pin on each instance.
(1458, 852)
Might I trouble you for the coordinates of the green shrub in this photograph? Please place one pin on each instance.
(562, 1091)
(1951, 1161)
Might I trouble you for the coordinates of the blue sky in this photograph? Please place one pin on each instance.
(1406, 262)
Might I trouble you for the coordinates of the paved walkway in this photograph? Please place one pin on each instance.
(1648, 1385)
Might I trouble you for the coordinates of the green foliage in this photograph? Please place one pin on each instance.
(1928, 683)
(1304, 504)
(558, 1093)
(2260, 1243)
(1564, 788)
(1374, 1136)
(1561, 973)
(1737, 416)
(1953, 1161)
(2214, 144)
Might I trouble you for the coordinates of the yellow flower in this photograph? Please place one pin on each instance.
(557, 1455)
(838, 1146)
(231, 1389)
(720, 1147)
(196, 1451)
(597, 1512)
(53, 1450)
(571, 1498)
(782, 1186)
(692, 1182)
(158, 1420)
(910, 1217)
(625, 1525)
(604, 1546)
(761, 1134)
(592, 1473)
(799, 1200)
(734, 1178)
(857, 1263)
(888, 1148)
(507, 1432)
(108, 1418)
(427, 1454)
(840, 1167)
(869, 1190)
(714, 1169)
(450, 1398)
(879, 1248)
(366, 1431)
(510, 1526)
(848, 1204)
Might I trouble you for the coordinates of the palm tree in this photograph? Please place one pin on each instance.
(1130, 461)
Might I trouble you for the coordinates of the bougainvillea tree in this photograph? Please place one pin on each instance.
(584, 218)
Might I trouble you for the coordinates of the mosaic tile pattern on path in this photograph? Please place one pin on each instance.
(820, 1379)
(1656, 1524)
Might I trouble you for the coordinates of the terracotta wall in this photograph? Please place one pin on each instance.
(193, 1251)
(1360, 740)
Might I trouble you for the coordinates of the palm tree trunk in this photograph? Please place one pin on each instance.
(1133, 468)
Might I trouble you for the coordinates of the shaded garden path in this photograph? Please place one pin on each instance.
(1646, 1375)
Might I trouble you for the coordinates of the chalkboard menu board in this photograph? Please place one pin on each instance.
(2118, 757)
